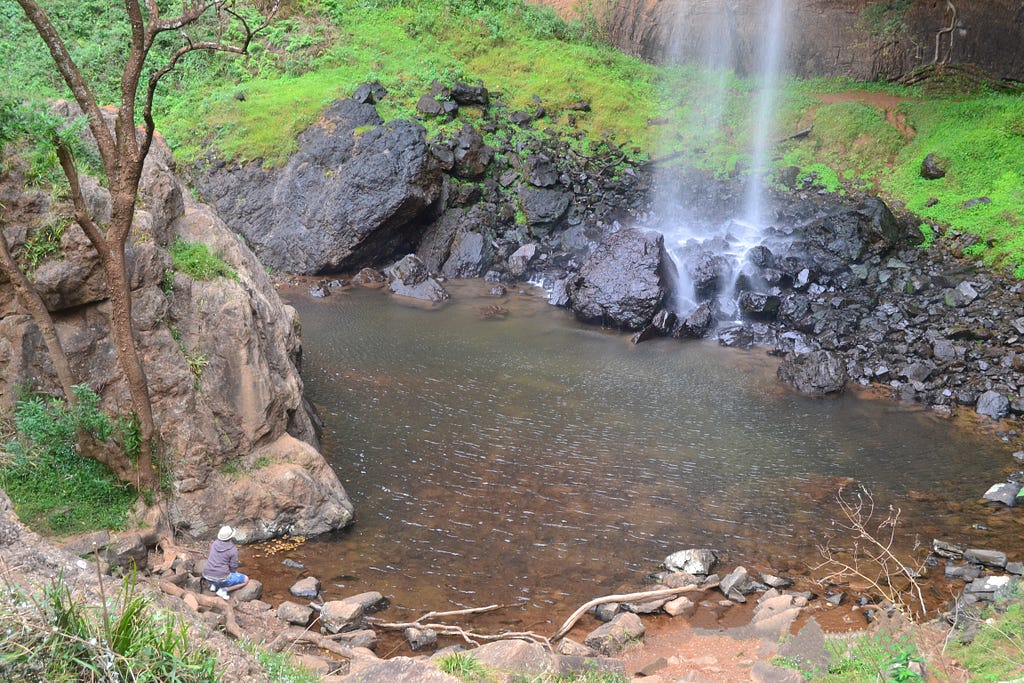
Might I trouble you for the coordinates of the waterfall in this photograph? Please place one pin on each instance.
(711, 254)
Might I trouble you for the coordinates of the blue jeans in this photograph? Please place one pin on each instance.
(233, 580)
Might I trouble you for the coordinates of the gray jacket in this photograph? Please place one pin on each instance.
(223, 560)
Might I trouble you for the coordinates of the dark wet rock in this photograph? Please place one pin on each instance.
(612, 638)
(370, 93)
(520, 118)
(472, 155)
(624, 282)
(695, 561)
(469, 256)
(541, 171)
(977, 201)
(931, 169)
(816, 373)
(544, 207)
(356, 191)
(607, 611)
(759, 306)
(319, 291)
(697, 324)
(463, 93)
(709, 272)
(761, 257)
(1005, 493)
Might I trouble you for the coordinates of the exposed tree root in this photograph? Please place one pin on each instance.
(197, 601)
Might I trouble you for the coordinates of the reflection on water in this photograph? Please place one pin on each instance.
(531, 460)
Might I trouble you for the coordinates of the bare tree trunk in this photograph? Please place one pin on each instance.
(29, 298)
(115, 270)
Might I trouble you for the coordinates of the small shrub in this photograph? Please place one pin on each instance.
(43, 243)
(280, 666)
(54, 489)
(197, 261)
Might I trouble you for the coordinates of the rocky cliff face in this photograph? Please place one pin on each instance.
(239, 444)
(825, 37)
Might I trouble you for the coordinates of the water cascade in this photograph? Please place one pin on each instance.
(711, 254)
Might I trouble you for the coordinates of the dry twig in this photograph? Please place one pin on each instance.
(873, 557)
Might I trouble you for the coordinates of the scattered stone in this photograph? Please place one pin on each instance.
(693, 561)
(308, 587)
(337, 616)
(989, 558)
(292, 564)
(680, 607)
(930, 168)
(420, 638)
(295, 613)
(612, 638)
(653, 667)
(366, 638)
(518, 656)
(607, 611)
(948, 550)
(1005, 493)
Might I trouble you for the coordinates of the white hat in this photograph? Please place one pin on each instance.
(225, 533)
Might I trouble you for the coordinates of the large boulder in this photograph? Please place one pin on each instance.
(624, 282)
(221, 357)
(357, 191)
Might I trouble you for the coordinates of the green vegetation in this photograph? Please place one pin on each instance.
(43, 243)
(58, 638)
(319, 50)
(463, 666)
(197, 261)
(281, 667)
(54, 489)
(997, 651)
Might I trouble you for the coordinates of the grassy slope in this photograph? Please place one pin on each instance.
(324, 49)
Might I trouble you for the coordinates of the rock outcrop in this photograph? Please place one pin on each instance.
(357, 191)
(855, 38)
(221, 356)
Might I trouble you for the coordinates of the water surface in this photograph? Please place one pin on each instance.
(527, 459)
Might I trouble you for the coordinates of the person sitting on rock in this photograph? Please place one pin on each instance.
(221, 564)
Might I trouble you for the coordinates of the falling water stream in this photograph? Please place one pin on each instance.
(533, 461)
(732, 237)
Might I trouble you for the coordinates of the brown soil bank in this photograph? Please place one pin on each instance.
(856, 38)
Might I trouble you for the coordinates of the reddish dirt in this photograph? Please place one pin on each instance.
(886, 103)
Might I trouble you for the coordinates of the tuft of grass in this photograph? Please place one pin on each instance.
(56, 636)
(463, 666)
(43, 243)
(54, 489)
(280, 666)
(196, 260)
(871, 656)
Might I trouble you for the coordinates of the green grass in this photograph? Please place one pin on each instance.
(55, 636)
(197, 261)
(319, 50)
(54, 489)
(281, 667)
(997, 652)
(870, 657)
(463, 666)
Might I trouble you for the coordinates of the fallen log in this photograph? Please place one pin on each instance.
(626, 597)
(207, 601)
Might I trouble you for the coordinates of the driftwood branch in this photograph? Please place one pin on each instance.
(471, 637)
(302, 636)
(197, 600)
(627, 597)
